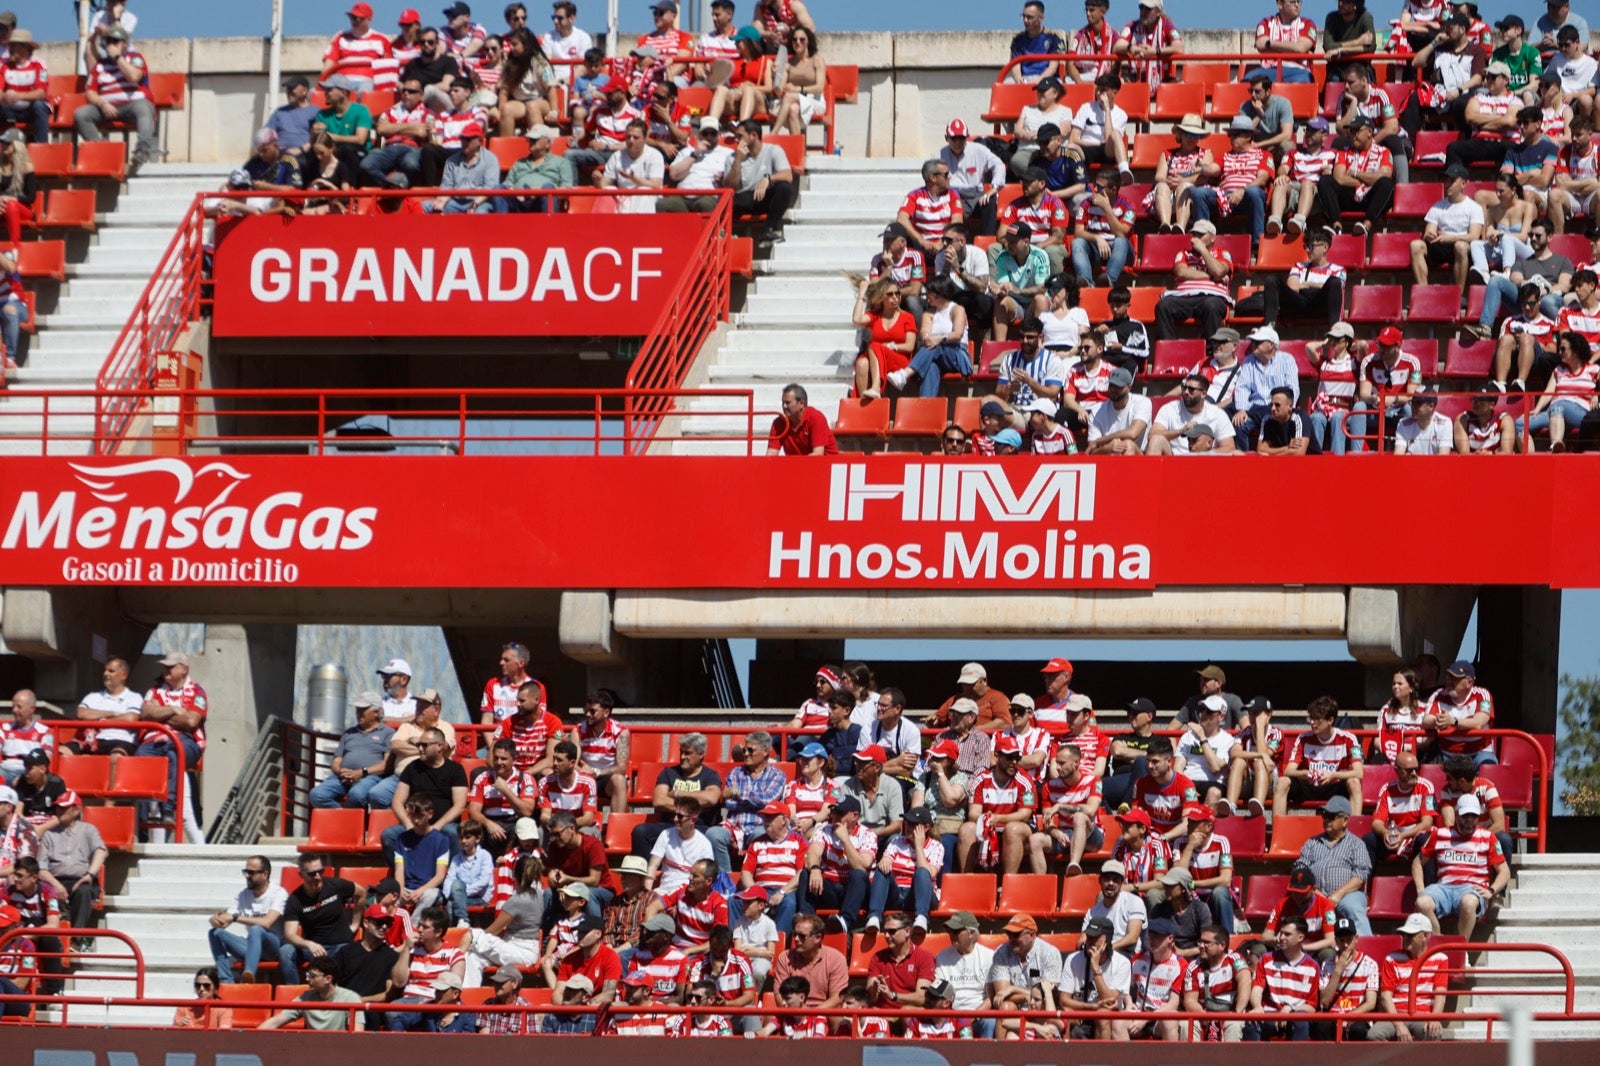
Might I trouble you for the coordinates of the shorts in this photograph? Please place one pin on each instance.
(1441, 255)
(1447, 898)
(1538, 194)
(1095, 155)
(108, 747)
(1302, 791)
(1097, 837)
(1582, 205)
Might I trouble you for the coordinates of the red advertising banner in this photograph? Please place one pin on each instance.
(886, 522)
(481, 275)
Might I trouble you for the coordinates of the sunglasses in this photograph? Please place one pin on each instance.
(201, 986)
(955, 440)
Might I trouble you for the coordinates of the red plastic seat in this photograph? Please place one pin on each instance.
(867, 420)
(1515, 784)
(1413, 199)
(1246, 836)
(1226, 99)
(51, 160)
(1431, 147)
(233, 994)
(1159, 250)
(1434, 303)
(1033, 894)
(1078, 895)
(1290, 833)
(101, 159)
(167, 91)
(619, 831)
(1007, 99)
(1392, 898)
(1148, 147)
(1572, 245)
(1349, 251)
(140, 777)
(1426, 349)
(1302, 98)
(87, 775)
(966, 412)
(508, 150)
(377, 822)
(644, 782)
(916, 416)
(43, 259)
(1175, 99)
(1237, 247)
(967, 892)
(1296, 350)
(117, 826)
(1262, 893)
(1376, 303)
(335, 829)
(1278, 254)
(794, 147)
(1374, 776)
(67, 209)
(1175, 358)
(1391, 251)
(1469, 359)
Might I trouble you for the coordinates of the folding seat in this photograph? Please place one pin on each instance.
(1376, 303)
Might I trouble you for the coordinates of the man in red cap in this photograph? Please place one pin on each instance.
(972, 167)
(1164, 792)
(352, 52)
(605, 130)
(773, 863)
(880, 801)
(1053, 711)
(1144, 855)
(1387, 378)
(1316, 912)
(1000, 818)
(1070, 800)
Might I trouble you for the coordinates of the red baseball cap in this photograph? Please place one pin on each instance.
(1198, 812)
(376, 913)
(873, 753)
(1136, 816)
(957, 128)
(774, 809)
(68, 798)
(755, 892)
(472, 129)
(409, 15)
(1057, 666)
(949, 749)
(1006, 744)
(361, 11)
(1389, 335)
(616, 85)
(9, 916)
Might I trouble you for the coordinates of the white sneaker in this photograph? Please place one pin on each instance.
(1256, 809)
(1224, 809)
(898, 379)
(875, 922)
(921, 922)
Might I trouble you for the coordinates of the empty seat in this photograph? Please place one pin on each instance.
(67, 209)
(42, 259)
(916, 416)
(335, 829)
(619, 831)
(1226, 99)
(1434, 303)
(1349, 251)
(1158, 251)
(1391, 251)
(377, 822)
(1431, 147)
(234, 994)
(508, 150)
(1262, 893)
(966, 412)
(1290, 833)
(1247, 837)
(1572, 245)
(1392, 898)
(1376, 303)
(966, 892)
(644, 782)
(1027, 894)
(1007, 99)
(1279, 254)
(1413, 199)
(864, 419)
(1469, 359)
(1178, 98)
(101, 159)
(1149, 147)
(1175, 358)
(87, 775)
(51, 160)
(116, 824)
(1078, 894)
(1515, 784)
(1302, 98)
(140, 777)
(167, 91)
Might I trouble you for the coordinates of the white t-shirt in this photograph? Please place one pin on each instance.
(1413, 438)
(1455, 219)
(571, 46)
(967, 973)
(1108, 420)
(249, 905)
(399, 710)
(1176, 416)
(1576, 74)
(626, 172)
(1195, 767)
(123, 702)
(1129, 905)
(1064, 331)
(760, 933)
(866, 712)
(677, 857)
(973, 261)
(1090, 122)
(1031, 118)
(1118, 974)
(706, 173)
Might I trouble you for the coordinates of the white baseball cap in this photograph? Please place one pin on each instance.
(1468, 804)
(1417, 923)
(8, 795)
(395, 666)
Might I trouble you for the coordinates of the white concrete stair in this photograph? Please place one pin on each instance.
(170, 894)
(73, 340)
(795, 324)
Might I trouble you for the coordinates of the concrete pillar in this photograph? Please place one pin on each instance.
(69, 633)
(1519, 632)
(248, 674)
(1387, 627)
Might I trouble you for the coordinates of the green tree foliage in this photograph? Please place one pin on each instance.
(1579, 752)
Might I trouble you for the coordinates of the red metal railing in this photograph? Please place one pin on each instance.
(1246, 60)
(1383, 423)
(157, 729)
(71, 958)
(172, 299)
(309, 421)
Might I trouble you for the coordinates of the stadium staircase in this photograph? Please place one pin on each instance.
(77, 330)
(170, 893)
(795, 325)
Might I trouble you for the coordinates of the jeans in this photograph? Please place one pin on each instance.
(1118, 788)
(333, 792)
(1284, 1030)
(36, 113)
(1288, 76)
(1322, 425)
(1354, 907)
(1253, 206)
(13, 316)
(392, 834)
(948, 358)
(1086, 257)
(86, 120)
(983, 217)
(162, 746)
(257, 941)
(1256, 418)
(847, 897)
(721, 847)
(406, 158)
(1499, 289)
(1507, 250)
(1220, 900)
(463, 205)
(459, 902)
(949, 841)
(1570, 412)
(414, 1021)
(916, 897)
(16, 1008)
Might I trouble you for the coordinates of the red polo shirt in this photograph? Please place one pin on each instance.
(901, 977)
(801, 439)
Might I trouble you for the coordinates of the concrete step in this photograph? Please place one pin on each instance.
(819, 360)
(132, 260)
(824, 396)
(74, 342)
(740, 376)
(853, 164)
(712, 447)
(152, 214)
(795, 315)
(118, 238)
(784, 341)
(868, 183)
(823, 301)
(820, 258)
(858, 212)
(802, 286)
(86, 315)
(1556, 860)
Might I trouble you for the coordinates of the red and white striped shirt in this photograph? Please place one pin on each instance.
(1240, 170)
(1339, 752)
(448, 134)
(1399, 728)
(1579, 320)
(1553, 123)
(1445, 705)
(1154, 981)
(930, 215)
(1285, 983)
(598, 750)
(1153, 859)
(190, 698)
(1579, 167)
(1046, 215)
(1487, 794)
(500, 696)
(25, 77)
(583, 794)
(1464, 860)
(806, 800)
(872, 1027)
(669, 43)
(666, 971)
(1093, 218)
(401, 115)
(1206, 285)
(911, 266)
(1503, 106)
(531, 736)
(903, 857)
(1481, 439)
(835, 867)
(1401, 808)
(1408, 980)
(1213, 856)
(1318, 276)
(1578, 385)
(495, 803)
(1336, 385)
(458, 45)
(737, 976)
(774, 863)
(1034, 741)
(1164, 802)
(1216, 985)
(796, 1027)
(942, 1028)
(710, 1025)
(16, 741)
(1079, 793)
(1391, 379)
(995, 797)
(1353, 982)
(647, 1025)
(352, 56)
(609, 128)
(107, 79)
(1276, 31)
(505, 874)
(695, 917)
(426, 968)
(1091, 389)
(1306, 165)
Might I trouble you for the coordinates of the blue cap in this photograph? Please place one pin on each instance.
(1462, 668)
(846, 804)
(1009, 436)
(813, 750)
(1162, 927)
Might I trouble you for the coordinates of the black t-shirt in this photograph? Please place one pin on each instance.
(680, 784)
(431, 71)
(40, 800)
(1282, 434)
(1135, 742)
(435, 782)
(322, 919)
(366, 973)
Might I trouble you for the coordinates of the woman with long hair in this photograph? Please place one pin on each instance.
(1400, 719)
(892, 336)
(19, 185)
(512, 939)
(748, 87)
(525, 83)
(323, 170)
(207, 1011)
(811, 793)
(1569, 396)
(944, 342)
(800, 97)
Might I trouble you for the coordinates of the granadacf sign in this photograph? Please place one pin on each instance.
(891, 522)
(481, 275)
(49, 1046)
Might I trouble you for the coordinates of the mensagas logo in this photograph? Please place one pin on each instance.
(954, 492)
(167, 504)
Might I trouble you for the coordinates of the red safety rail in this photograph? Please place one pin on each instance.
(157, 728)
(1317, 61)
(172, 300)
(69, 958)
(190, 421)
(1381, 425)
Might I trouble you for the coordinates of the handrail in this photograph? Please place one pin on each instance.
(1381, 419)
(241, 817)
(159, 728)
(1260, 59)
(67, 934)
